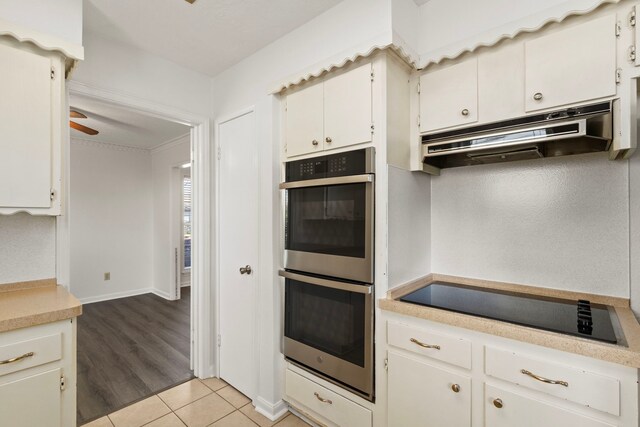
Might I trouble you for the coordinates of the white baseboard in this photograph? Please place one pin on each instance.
(269, 410)
(162, 294)
(116, 295)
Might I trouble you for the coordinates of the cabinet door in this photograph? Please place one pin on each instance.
(574, 65)
(422, 395)
(26, 131)
(32, 401)
(304, 121)
(449, 97)
(347, 108)
(501, 84)
(506, 409)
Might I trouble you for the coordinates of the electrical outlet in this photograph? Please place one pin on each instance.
(107, 276)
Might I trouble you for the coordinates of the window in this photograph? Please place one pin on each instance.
(186, 221)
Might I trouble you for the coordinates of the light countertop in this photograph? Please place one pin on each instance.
(34, 303)
(624, 355)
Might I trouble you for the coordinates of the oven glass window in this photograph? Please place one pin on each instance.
(330, 320)
(327, 220)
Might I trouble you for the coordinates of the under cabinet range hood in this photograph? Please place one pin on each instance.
(577, 130)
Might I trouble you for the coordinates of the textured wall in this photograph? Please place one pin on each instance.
(560, 223)
(27, 248)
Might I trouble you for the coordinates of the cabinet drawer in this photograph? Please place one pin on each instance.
(587, 388)
(506, 409)
(335, 408)
(29, 353)
(446, 348)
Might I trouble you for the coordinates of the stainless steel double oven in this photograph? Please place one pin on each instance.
(329, 267)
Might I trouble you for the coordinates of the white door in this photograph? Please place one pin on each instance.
(573, 65)
(32, 401)
(304, 121)
(238, 248)
(423, 395)
(449, 96)
(347, 108)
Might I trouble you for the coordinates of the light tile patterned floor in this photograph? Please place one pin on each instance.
(197, 403)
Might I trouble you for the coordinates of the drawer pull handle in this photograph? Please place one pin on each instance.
(543, 379)
(421, 344)
(17, 359)
(498, 403)
(321, 399)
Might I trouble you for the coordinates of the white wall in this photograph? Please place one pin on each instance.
(560, 223)
(123, 69)
(409, 233)
(27, 248)
(163, 161)
(60, 18)
(344, 28)
(110, 221)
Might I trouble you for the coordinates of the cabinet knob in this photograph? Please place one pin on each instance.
(537, 96)
(465, 112)
(497, 403)
(314, 142)
(455, 388)
(328, 139)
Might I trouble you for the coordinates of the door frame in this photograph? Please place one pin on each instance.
(201, 173)
(254, 303)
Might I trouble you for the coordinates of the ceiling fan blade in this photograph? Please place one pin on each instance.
(81, 128)
(76, 114)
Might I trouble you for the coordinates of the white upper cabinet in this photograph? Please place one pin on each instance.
(31, 84)
(336, 112)
(449, 96)
(305, 120)
(501, 83)
(347, 108)
(570, 66)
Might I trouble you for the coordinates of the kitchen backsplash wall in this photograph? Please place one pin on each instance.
(560, 223)
(27, 248)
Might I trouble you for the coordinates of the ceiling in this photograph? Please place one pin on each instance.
(208, 36)
(122, 127)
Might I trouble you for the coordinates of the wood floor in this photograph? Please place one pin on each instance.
(129, 349)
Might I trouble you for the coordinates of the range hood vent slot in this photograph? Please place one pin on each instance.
(579, 130)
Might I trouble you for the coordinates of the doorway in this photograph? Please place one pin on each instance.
(200, 333)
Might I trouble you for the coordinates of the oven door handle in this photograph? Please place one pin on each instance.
(361, 289)
(338, 180)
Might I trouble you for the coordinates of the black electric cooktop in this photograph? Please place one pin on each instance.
(578, 318)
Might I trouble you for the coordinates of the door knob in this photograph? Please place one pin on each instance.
(328, 139)
(245, 270)
(465, 112)
(314, 142)
(537, 96)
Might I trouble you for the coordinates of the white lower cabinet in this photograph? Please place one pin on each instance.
(32, 401)
(422, 395)
(507, 409)
(324, 405)
(38, 376)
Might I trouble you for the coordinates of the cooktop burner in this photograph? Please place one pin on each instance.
(578, 318)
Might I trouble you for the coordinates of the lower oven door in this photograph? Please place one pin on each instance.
(328, 328)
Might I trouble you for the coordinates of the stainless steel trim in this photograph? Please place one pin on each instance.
(338, 180)
(361, 289)
(524, 140)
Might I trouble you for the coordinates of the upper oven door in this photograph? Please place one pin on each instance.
(329, 226)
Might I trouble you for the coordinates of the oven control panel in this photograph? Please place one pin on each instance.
(333, 165)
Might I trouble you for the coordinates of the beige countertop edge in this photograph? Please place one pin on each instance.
(627, 356)
(18, 286)
(36, 303)
(39, 319)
